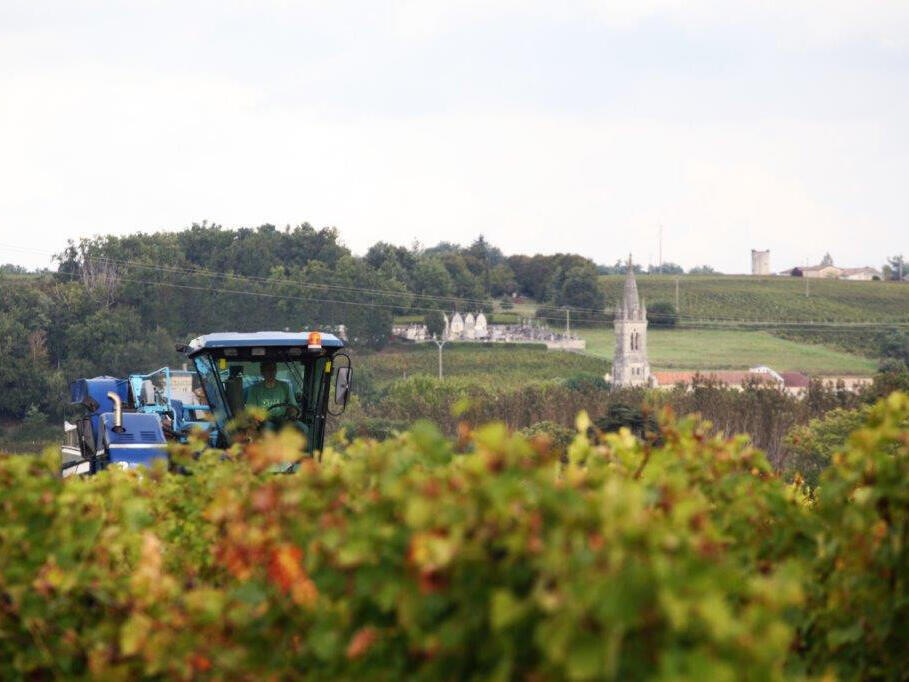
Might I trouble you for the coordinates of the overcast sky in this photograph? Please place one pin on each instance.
(547, 126)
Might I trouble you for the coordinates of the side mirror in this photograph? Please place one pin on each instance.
(342, 386)
(341, 374)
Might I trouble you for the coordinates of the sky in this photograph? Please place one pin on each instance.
(583, 126)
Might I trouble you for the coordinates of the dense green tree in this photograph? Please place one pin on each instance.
(894, 343)
(465, 284)
(531, 274)
(481, 257)
(435, 323)
(393, 259)
(580, 289)
(542, 277)
(25, 376)
(502, 281)
(431, 278)
(895, 266)
(662, 314)
(891, 377)
(620, 415)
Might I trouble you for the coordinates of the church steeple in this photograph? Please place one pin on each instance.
(631, 290)
(629, 363)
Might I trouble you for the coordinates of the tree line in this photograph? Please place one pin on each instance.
(117, 304)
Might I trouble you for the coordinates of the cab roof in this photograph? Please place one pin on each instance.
(249, 339)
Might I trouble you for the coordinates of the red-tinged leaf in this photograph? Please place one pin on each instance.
(200, 662)
(361, 642)
(284, 566)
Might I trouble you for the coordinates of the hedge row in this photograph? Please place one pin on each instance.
(486, 557)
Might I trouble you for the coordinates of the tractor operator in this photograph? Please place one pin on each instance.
(269, 393)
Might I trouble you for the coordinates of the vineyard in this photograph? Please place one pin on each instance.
(512, 365)
(489, 556)
(726, 297)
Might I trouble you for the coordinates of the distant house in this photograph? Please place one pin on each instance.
(865, 274)
(817, 271)
(791, 382)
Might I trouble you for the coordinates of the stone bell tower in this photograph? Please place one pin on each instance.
(629, 363)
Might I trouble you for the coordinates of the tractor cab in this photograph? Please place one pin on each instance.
(294, 378)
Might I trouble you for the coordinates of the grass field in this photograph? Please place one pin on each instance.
(771, 298)
(725, 349)
(505, 365)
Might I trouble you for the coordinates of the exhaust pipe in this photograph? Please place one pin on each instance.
(118, 412)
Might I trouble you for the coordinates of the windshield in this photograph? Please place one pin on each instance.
(287, 388)
(268, 384)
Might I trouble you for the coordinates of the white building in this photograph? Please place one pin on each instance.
(456, 329)
(865, 274)
(760, 262)
(470, 327)
(480, 329)
(475, 327)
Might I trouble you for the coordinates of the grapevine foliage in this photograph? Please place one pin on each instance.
(409, 559)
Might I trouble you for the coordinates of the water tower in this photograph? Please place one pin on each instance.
(760, 262)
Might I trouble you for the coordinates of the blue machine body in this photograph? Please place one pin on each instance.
(92, 393)
(140, 443)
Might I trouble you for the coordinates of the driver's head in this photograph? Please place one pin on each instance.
(268, 369)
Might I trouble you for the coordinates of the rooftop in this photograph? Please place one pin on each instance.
(248, 339)
(732, 377)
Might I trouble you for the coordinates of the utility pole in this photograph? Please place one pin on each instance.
(807, 289)
(439, 344)
(567, 321)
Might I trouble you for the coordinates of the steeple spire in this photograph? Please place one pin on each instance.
(631, 290)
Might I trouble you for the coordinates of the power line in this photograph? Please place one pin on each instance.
(697, 324)
(603, 316)
(692, 323)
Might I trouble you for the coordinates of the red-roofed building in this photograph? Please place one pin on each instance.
(795, 380)
(792, 382)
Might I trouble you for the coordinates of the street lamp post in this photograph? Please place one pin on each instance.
(439, 344)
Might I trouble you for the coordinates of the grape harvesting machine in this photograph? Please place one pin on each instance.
(293, 378)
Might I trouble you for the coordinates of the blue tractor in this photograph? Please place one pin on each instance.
(295, 378)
